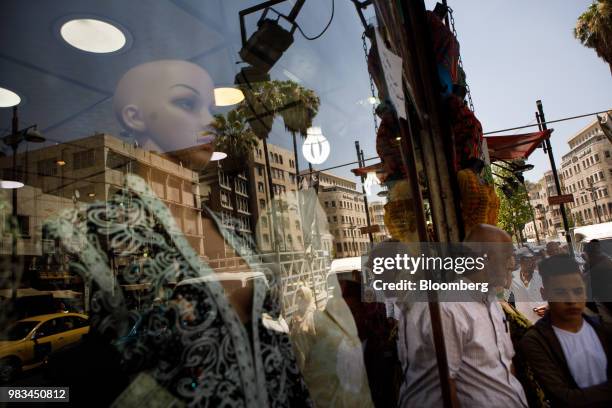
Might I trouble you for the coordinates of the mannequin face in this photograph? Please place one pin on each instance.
(166, 104)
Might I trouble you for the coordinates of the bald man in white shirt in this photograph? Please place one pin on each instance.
(478, 345)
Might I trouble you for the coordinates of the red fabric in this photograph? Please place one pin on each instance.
(515, 146)
(445, 45)
(467, 131)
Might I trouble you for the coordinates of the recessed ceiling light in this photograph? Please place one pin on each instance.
(216, 156)
(228, 96)
(8, 184)
(61, 162)
(8, 98)
(93, 35)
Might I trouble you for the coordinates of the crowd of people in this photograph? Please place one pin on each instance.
(542, 338)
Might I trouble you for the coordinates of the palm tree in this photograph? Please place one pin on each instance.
(233, 135)
(259, 106)
(594, 29)
(263, 101)
(300, 106)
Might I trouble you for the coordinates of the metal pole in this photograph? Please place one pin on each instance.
(297, 164)
(542, 120)
(353, 234)
(594, 198)
(14, 131)
(361, 162)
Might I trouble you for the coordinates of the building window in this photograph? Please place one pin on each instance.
(334, 203)
(262, 203)
(260, 187)
(83, 159)
(115, 160)
(259, 170)
(224, 180)
(225, 199)
(23, 223)
(266, 238)
(47, 167)
(243, 204)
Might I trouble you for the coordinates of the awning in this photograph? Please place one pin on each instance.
(363, 171)
(515, 146)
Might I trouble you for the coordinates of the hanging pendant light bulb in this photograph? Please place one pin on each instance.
(216, 156)
(316, 147)
(370, 181)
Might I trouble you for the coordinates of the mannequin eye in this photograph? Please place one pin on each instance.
(187, 104)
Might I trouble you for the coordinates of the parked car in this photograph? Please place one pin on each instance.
(28, 342)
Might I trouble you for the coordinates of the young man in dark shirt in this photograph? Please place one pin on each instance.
(567, 350)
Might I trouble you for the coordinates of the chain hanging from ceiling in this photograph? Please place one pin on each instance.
(467, 87)
(372, 89)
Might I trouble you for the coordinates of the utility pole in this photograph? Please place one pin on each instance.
(542, 123)
(361, 161)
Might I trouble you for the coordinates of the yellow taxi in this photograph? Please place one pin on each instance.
(26, 343)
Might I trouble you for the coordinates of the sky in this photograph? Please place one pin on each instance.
(516, 52)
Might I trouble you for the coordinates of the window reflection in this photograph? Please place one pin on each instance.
(202, 281)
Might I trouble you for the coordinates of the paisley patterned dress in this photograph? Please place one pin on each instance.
(196, 348)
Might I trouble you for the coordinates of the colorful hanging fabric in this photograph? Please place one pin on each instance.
(446, 49)
(467, 131)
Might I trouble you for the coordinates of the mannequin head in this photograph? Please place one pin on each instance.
(165, 104)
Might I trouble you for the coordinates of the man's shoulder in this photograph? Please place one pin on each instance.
(537, 334)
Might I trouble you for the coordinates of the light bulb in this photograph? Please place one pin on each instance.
(371, 180)
(93, 35)
(316, 147)
(10, 184)
(216, 156)
(8, 98)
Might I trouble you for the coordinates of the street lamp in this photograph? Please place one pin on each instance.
(29, 134)
(593, 191)
(353, 228)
